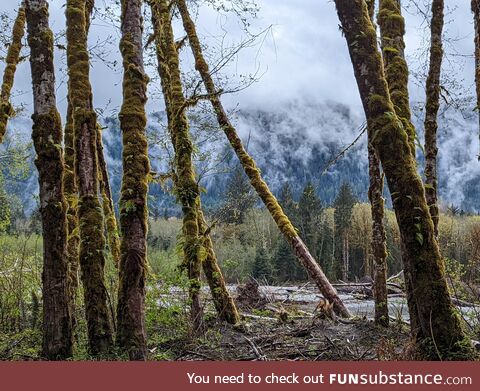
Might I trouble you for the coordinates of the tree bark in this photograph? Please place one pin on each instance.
(161, 21)
(392, 31)
(253, 173)
(90, 217)
(111, 225)
(222, 299)
(431, 110)
(476, 23)
(131, 333)
(379, 247)
(47, 138)
(186, 186)
(437, 326)
(12, 59)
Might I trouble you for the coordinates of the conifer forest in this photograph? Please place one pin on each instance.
(239, 180)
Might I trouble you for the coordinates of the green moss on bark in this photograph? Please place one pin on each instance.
(12, 59)
(131, 334)
(432, 313)
(283, 222)
(431, 110)
(90, 216)
(47, 138)
(392, 31)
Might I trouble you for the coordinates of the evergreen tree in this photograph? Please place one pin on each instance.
(262, 266)
(239, 198)
(288, 203)
(309, 213)
(343, 204)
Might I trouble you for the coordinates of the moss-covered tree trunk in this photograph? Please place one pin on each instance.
(71, 196)
(90, 216)
(131, 333)
(11, 61)
(47, 138)
(111, 225)
(476, 23)
(437, 327)
(379, 245)
(186, 186)
(164, 42)
(223, 301)
(392, 31)
(431, 110)
(286, 228)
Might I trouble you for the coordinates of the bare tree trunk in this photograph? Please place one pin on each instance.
(47, 138)
(379, 247)
(392, 31)
(431, 110)
(438, 328)
(476, 22)
(12, 59)
(131, 334)
(91, 224)
(282, 221)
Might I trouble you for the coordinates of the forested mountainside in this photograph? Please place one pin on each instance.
(292, 143)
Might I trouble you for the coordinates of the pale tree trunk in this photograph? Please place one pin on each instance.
(476, 23)
(12, 59)
(90, 217)
(286, 228)
(131, 333)
(47, 138)
(438, 328)
(431, 110)
(379, 239)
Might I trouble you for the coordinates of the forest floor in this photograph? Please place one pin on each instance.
(284, 323)
(278, 323)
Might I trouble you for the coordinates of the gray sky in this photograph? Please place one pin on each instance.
(303, 55)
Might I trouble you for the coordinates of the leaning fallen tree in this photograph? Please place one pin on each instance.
(283, 222)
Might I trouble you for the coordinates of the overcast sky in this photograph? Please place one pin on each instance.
(303, 55)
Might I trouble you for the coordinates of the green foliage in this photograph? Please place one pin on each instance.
(262, 266)
(239, 198)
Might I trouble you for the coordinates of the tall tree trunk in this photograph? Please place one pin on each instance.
(392, 31)
(431, 110)
(12, 59)
(438, 328)
(186, 186)
(222, 299)
(47, 138)
(91, 224)
(253, 173)
(379, 247)
(111, 225)
(131, 334)
(379, 239)
(71, 196)
(476, 23)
